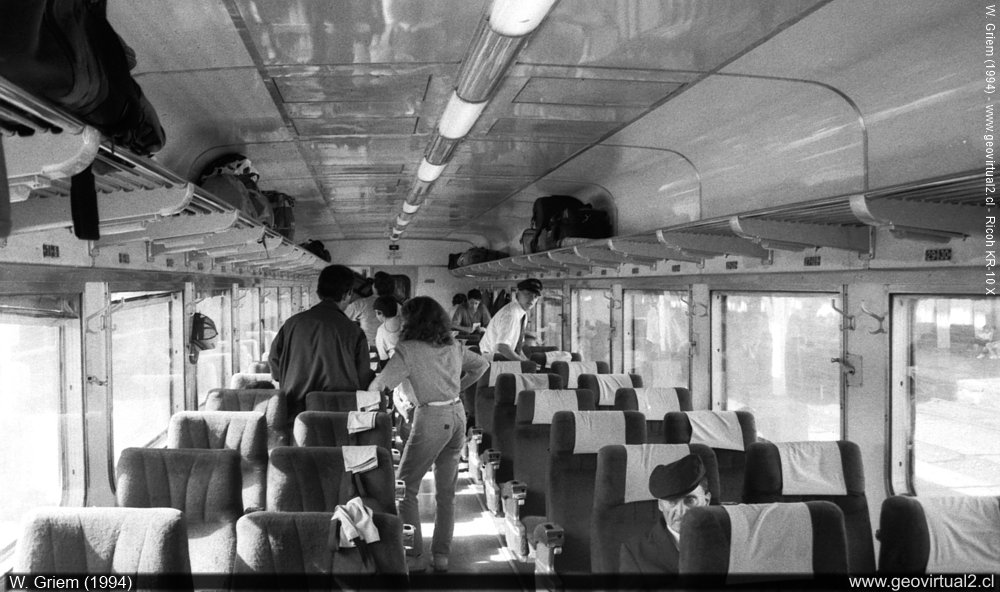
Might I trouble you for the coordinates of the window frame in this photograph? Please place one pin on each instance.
(684, 294)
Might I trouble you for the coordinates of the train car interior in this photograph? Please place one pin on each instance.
(779, 208)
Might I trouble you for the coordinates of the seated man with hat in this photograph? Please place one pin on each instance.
(505, 334)
(678, 487)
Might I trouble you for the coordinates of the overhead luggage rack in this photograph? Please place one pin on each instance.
(172, 216)
(935, 210)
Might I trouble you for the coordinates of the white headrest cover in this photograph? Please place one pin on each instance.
(598, 428)
(770, 539)
(716, 429)
(367, 400)
(655, 402)
(608, 385)
(964, 533)
(811, 468)
(547, 402)
(530, 382)
(498, 368)
(557, 356)
(641, 459)
(578, 368)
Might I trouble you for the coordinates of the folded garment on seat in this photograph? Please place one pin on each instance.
(360, 421)
(368, 400)
(716, 429)
(358, 459)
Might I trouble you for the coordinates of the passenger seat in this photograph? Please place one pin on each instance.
(546, 356)
(481, 436)
(203, 484)
(315, 479)
(267, 401)
(242, 380)
(954, 534)
(332, 428)
(728, 433)
(654, 403)
(813, 471)
(242, 431)
(605, 386)
(341, 401)
(570, 371)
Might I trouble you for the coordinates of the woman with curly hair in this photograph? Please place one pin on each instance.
(438, 368)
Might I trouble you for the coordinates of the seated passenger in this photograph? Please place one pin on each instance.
(679, 486)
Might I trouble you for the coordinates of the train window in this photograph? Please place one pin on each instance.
(271, 319)
(247, 328)
(41, 452)
(772, 355)
(548, 319)
(147, 365)
(657, 336)
(215, 366)
(591, 328)
(946, 395)
(284, 305)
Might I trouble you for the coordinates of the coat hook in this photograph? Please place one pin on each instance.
(879, 318)
(848, 319)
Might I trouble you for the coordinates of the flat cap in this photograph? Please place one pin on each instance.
(530, 285)
(679, 478)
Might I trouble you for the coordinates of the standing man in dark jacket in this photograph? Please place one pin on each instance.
(320, 349)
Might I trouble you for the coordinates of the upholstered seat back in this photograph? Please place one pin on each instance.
(505, 404)
(242, 431)
(570, 371)
(535, 411)
(314, 479)
(807, 471)
(604, 386)
(763, 542)
(728, 433)
(575, 440)
(485, 388)
(654, 403)
(343, 401)
(957, 534)
(103, 541)
(623, 506)
(330, 428)
(270, 402)
(204, 484)
(297, 543)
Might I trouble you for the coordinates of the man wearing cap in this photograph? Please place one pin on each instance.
(678, 487)
(505, 334)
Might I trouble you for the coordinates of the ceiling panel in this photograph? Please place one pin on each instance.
(400, 89)
(355, 126)
(576, 91)
(552, 128)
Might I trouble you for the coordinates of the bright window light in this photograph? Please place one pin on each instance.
(515, 18)
(459, 116)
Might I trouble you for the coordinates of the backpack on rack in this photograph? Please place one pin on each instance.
(233, 179)
(317, 248)
(545, 215)
(583, 223)
(66, 52)
(283, 206)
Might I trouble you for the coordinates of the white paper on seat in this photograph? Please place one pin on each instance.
(358, 459)
(547, 402)
(716, 429)
(598, 428)
(811, 468)
(360, 421)
(964, 534)
(640, 461)
(655, 402)
(498, 368)
(557, 356)
(368, 400)
(576, 369)
(608, 385)
(770, 539)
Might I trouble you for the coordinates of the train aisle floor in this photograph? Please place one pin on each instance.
(478, 560)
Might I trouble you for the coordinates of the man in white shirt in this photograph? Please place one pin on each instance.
(505, 335)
